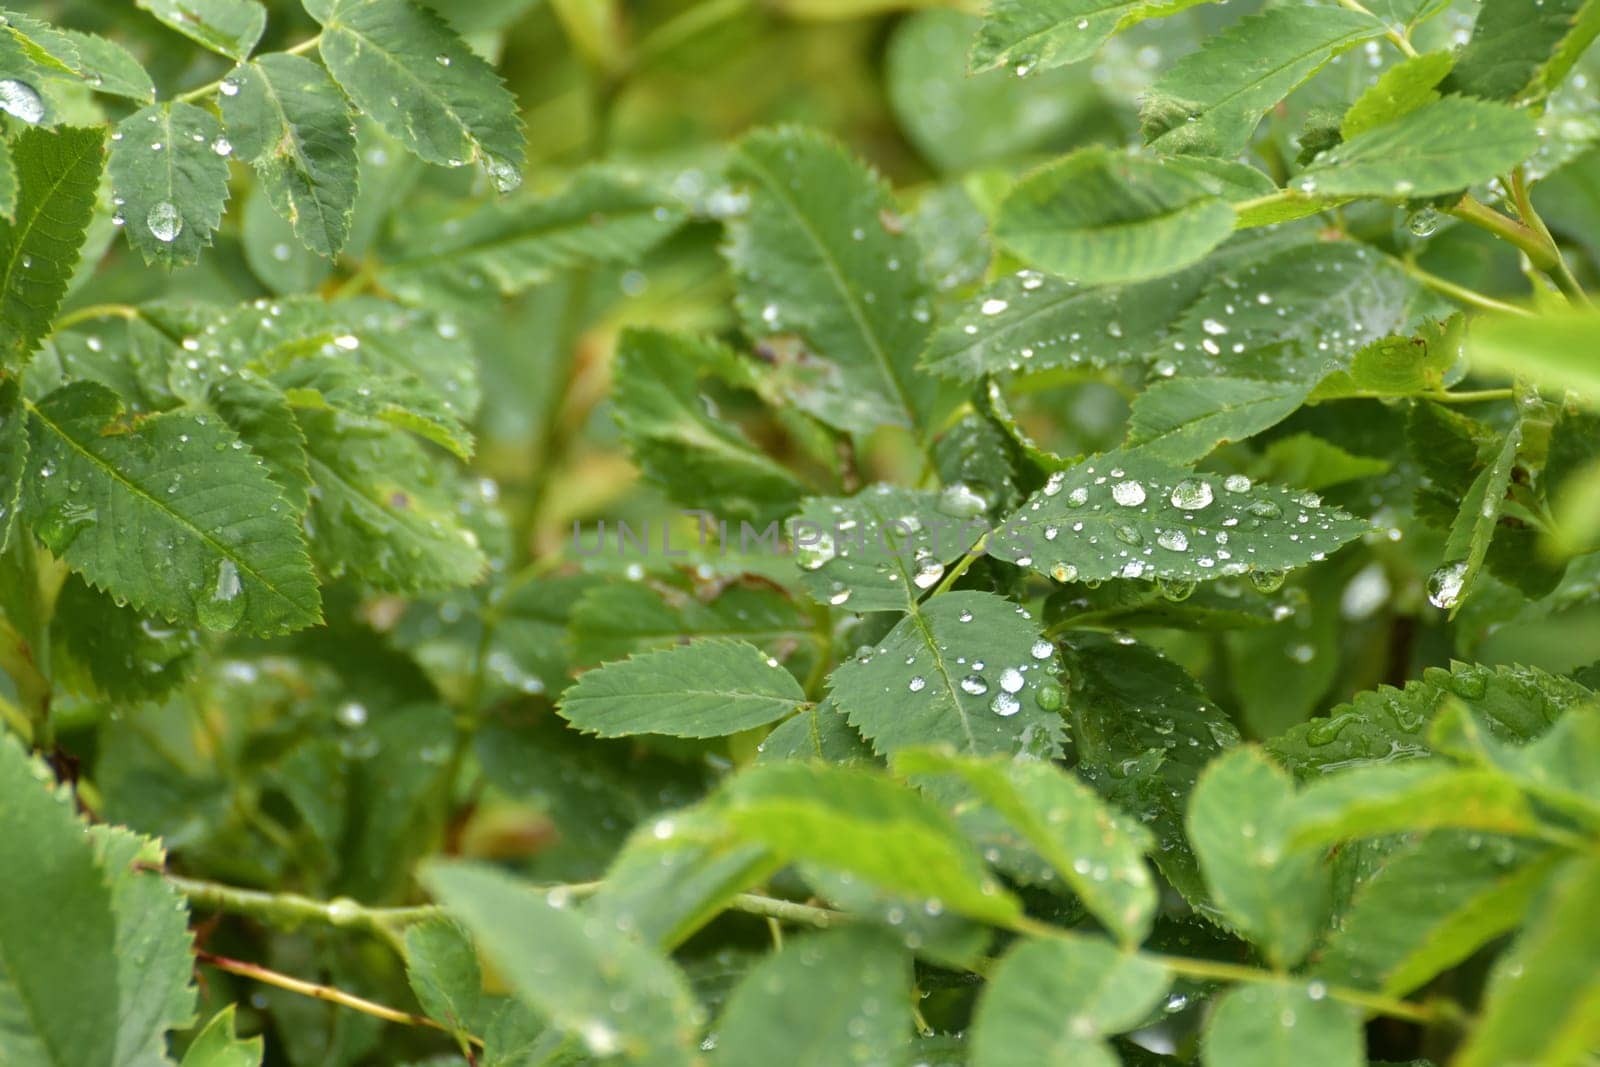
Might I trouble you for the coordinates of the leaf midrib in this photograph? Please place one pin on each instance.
(225, 551)
(846, 292)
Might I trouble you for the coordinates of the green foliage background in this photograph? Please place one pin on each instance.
(1182, 418)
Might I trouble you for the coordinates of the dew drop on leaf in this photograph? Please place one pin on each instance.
(1192, 494)
(164, 221)
(21, 101)
(222, 604)
(1445, 584)
(1129, 494)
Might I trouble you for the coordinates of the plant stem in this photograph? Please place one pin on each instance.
(95, 311)
(960, 567)
(210, 87)
(1461, 293)
(1220, 970)
(1562, 273)
(1530, 236)
(325, 992)
(1398, 38)
(292, 909)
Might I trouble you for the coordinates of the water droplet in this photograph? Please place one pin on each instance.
(1174, 540)
(1423, 222)
(1128, 494)
(1042, 649)
(1176, 589)
(164, 221)
(505, 176)
(928, 573)
(1236, 483)
(20, 100)
(222, 605)
(917, 683)
(228, 87)
(974, 684)
(1011, 680)
(222, 147)
(1064, 572)
(1049, 697)
(959, 500)
(1444, 585)
(1005, 705)
(1267, 579)
(1191, 494)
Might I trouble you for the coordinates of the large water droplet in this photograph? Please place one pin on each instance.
(1128, 494)
(20, 100)
(1049, 697)
(974, 684)
(1005, 705)
(505, 176)
(1423, 222)
(164, 221)
(222, 605)
(1266, 579)
(1444, 585)
(928, 573)
(1192, 494)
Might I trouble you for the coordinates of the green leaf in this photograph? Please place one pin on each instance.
(616, 619)
(709, 688)
(1438, 148)
(1414, 795)
(967, 669)
(827, 999)
(821, 733)
(1125, 515)
(383, 511)
(1029, 34)
(1182, 420)
(1289, 317)
(13, 455)
(260, 414)
(59, 985)
(1096, 852)
(855, 821)
(1050, 1002)
(1398, 366)
(1209, 102)
(217, 543)
(1552, 349)
(107, 67)
(979, 119)
(8, 184)
(1031, 321)
(1434, 902)
(701, 460)
(56, 172)
(1559, 769)
(1098, 216)
(603, 217)
(125, 655)
(155, 956)
(1383, 725)
(1521, 52)
(1271, 1024)
(588, 978)
(1239, 823)
(1543, 990)
(1143, 729)
(402, 400)
(285, 116)
(442, 968)
(675, 875)
(1400, 90)
(231, 27)
(403, 66)
(882, 548)
(170, 179)
(219, 1046)
(1468, 544)
(819, 255)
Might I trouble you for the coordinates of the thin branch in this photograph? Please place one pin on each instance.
(1461, 293)
(326, 993)
(1399, 39)
(210, 87)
